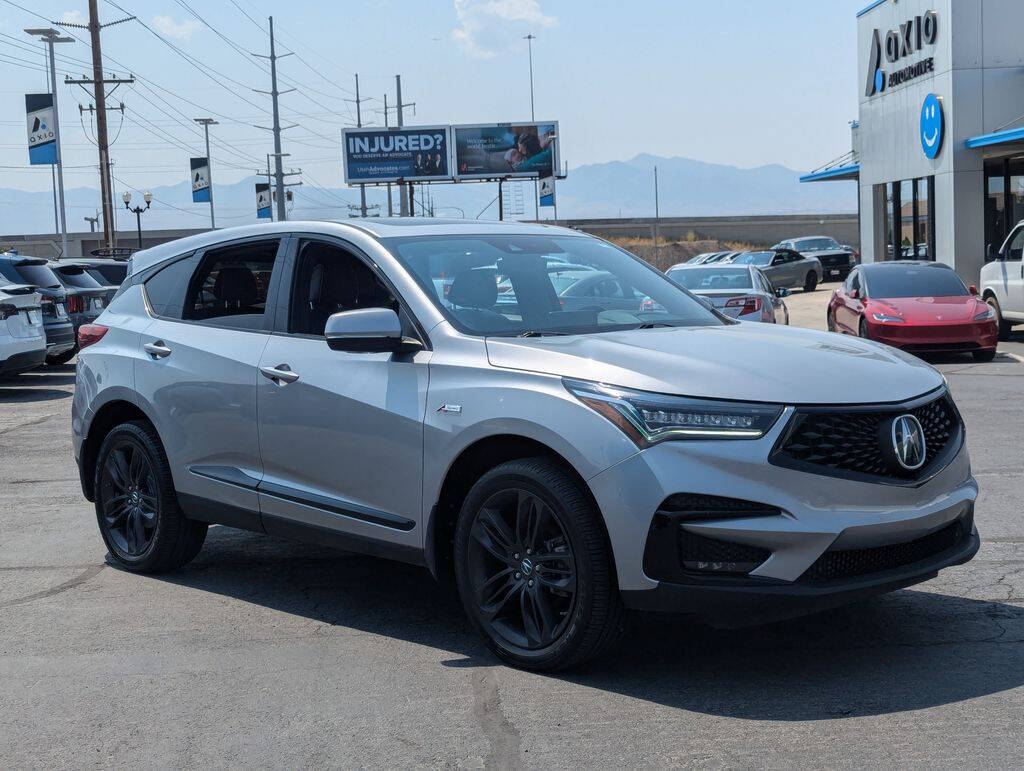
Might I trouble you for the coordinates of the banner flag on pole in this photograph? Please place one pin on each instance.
(547, 191)
(263, 200)
(42, 134)
(200, 176)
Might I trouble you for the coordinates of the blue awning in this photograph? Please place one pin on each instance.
(850, 171)
(1005, 137)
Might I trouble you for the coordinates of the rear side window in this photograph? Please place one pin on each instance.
(229, 288)
(166, 288)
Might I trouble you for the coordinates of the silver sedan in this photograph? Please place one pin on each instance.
(740, 291)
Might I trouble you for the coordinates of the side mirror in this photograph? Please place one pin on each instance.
(853, 294)
(367, 330)
(973, 290)
(782, 292)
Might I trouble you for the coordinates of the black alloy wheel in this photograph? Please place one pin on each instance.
(830, 321)
(521, 570)
(811, 282)
(136, 505)
(534, 567)
(129, 495)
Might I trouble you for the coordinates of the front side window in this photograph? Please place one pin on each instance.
(909, 281)
(1015, 248)
(329, 280)
(511, 285)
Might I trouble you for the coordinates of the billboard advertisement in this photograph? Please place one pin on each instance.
(418, 153)
(42, 136)
(263, 200)
(527, 150)
(200, 175)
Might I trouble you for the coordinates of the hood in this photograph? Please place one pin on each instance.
(924, 310)
(746, 361)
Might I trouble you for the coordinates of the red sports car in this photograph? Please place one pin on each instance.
(921, 307)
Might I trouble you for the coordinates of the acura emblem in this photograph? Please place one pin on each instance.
(908, 442)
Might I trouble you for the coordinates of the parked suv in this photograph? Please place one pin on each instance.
(1002, 282)
(35, 271)
(319, 381)
(836, 260)
(22, 340)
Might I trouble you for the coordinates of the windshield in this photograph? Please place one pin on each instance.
(754, 258)
(815, 244)
(908, 281)
(508, 285)
(723, 277)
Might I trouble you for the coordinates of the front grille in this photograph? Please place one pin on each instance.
(926, 347)
(848, 442)
(835, 260)
(848, 563)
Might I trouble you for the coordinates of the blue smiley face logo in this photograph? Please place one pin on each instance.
(932, 126)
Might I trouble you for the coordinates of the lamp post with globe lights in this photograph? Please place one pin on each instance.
(137, 211)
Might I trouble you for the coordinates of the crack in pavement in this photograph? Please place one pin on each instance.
(503, 739)
(71, 583)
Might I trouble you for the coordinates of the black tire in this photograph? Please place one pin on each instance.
(862, 330)
(574, 576)
(830, 321)
(811, 281)
(984, 356)
(62, 358)
(136, 506)
(1004, 328)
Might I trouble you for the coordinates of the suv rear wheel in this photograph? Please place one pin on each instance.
(136, 506)
(534, 568)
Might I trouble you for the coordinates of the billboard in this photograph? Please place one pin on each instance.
(388, 155)
(489, 151)
(200, 176)
(263, 200)
(42, 134)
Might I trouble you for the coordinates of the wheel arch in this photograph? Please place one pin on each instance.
(112, 413)
(470, 464)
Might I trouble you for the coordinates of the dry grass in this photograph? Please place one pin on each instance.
(671, 252)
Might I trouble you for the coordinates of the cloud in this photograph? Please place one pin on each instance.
(179, 30)
(486, 26)
(73, 17)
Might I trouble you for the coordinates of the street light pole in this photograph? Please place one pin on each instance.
(657, 216)
(51, 36)
(137, 211)
(206, 123)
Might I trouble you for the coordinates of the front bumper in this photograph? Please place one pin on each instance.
(937, 338)
(817, 513)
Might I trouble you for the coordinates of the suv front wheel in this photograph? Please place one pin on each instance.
(136, 506)
(534, 568)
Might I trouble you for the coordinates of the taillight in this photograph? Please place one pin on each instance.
(89, 334)
(76, 304)
(745, 304)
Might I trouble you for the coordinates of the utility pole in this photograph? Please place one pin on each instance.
(657, 216)
(51, 36)
(529, 45)
(359, 124)
(405, 207)
(99, 95)
(391, 211)
(279, 174)
(206, 123)
(92, 222)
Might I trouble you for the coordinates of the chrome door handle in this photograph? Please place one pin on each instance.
(157, 349)
(282, 373)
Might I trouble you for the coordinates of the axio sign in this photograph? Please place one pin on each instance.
(912, 37)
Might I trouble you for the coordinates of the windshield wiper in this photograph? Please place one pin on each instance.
(656, 325)
(541, 333)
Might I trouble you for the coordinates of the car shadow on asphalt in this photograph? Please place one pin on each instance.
(11, 393)
(905, 651)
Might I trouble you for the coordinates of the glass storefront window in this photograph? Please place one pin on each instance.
(909, 225)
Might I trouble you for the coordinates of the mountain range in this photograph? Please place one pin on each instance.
(614, 189)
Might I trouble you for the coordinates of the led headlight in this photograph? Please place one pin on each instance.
(649, 418)
(886, 318)
(986, 315)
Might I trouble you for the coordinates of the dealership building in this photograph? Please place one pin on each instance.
(938, 147)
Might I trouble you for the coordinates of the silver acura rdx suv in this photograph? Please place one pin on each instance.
(419, 390)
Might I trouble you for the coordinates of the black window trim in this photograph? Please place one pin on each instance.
(273, 289)
(279, 326)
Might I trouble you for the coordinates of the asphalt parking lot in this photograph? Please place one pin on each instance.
(268, 653)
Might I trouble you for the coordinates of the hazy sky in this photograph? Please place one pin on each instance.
(744, 82)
